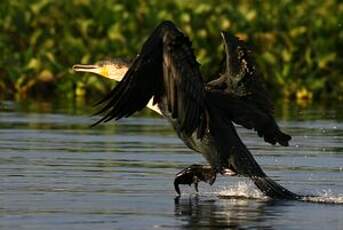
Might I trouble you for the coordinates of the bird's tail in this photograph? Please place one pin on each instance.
(233, 154)
(272, 189)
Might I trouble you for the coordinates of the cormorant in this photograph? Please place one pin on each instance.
(165, 77)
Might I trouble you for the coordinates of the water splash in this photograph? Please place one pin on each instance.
(325, 197)
(247, 190)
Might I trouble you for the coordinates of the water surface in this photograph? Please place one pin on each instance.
(57, 173)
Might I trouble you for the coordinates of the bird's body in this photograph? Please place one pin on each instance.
(165, 77)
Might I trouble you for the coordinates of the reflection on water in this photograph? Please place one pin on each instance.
(56, 172)
(201, 212)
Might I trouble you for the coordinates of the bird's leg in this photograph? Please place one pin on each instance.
(193, 175)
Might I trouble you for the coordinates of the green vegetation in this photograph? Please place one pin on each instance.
(298, 45)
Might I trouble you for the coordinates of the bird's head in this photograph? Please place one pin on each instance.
(237, 56)
(114, 69)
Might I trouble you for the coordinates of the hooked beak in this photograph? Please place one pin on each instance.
(230, 48)
(113, 71)
(100, 70)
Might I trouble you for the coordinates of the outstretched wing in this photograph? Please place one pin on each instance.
(240, 93)
(249, 116)
(165, 70)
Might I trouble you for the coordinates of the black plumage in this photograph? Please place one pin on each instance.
(202, 114)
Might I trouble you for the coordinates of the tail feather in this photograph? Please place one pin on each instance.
(272, 189)
(233, 154)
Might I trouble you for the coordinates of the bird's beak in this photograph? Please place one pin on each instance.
(100, 70)
(230, 48)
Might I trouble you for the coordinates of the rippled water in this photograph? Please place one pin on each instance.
(57, 173)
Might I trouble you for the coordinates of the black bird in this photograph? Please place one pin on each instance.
(165, 76)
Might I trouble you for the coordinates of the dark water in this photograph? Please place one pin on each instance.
(57, 173)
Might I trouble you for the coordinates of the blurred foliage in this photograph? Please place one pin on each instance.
(298, 44)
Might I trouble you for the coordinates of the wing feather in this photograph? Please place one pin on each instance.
(241, 95)
(249, 116)
(186, 87)
(166, 70)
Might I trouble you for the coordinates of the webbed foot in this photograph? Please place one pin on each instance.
(193, 175)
